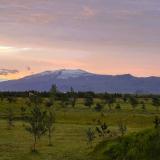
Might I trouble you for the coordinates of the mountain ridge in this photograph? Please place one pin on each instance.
(82, 80)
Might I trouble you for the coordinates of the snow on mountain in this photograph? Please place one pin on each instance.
(65, 74)
(2, 80)
(61, 74)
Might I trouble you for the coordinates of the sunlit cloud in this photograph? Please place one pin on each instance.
(5, 72)
(10, 49)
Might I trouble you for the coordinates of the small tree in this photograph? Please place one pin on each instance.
(50, 120)
(122, 127)
(10, 117)
(53, 93)
(34, 99)
(64, 102)
(98, 107)
(37, 126)
(103, 130)
(156, 102)
(28, 102)
(11, 99)
(23, 112)
(125, 98)
(118, 106)
(157, 122)
(1, 97)
(88, 101)
(143, 106)
(90, 135)
(72, 97)
(49, 103)
(133, 102)
(109, 100)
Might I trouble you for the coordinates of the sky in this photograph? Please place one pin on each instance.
(100, 36)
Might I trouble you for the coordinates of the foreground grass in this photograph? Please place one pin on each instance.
(68, 143)
(69, 137)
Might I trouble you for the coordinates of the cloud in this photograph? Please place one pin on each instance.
(5, 72)
(4, 49)
(88, 12)
(27, 12)
(34, 18)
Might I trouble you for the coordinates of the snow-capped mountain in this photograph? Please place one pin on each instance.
(62, 74)
(83, 81)
(2, 80)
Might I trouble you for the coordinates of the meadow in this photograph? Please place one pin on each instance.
(71, 123)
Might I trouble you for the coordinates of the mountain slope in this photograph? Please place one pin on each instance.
(83, 81)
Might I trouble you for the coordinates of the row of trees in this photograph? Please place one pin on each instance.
(71, 97)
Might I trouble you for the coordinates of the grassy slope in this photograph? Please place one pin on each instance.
(140, 146)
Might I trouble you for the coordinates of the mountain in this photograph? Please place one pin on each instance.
(1, 80)
(84, 81)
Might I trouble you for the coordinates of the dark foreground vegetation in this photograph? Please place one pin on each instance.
(79, 126)
(140, 146)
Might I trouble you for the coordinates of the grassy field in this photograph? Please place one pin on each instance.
(69, 136)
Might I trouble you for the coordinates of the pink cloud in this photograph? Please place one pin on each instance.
(88, 12)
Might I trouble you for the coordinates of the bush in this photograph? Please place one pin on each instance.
(140, 146)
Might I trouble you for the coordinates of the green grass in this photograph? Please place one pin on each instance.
(68, 143)
(69, 139)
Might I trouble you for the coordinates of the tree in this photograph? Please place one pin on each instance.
(133, 102)
(37, 125)
(118, 106)
(23, 110)
(90, 135)
(143, 106)
(64, 102)
(109, 100)
(11, 99)
(122, 128)
(103, 130)
(53, 93)
(28, 102)
(98, 107)
(50, 120)
(125, 98)
(1, 97)
(156, 102)
(49, 103)
(10, 117)
(73, 97)
(34, 99)
(157, 122)
(88, 100)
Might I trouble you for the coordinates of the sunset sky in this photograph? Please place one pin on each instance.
(100, 36)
